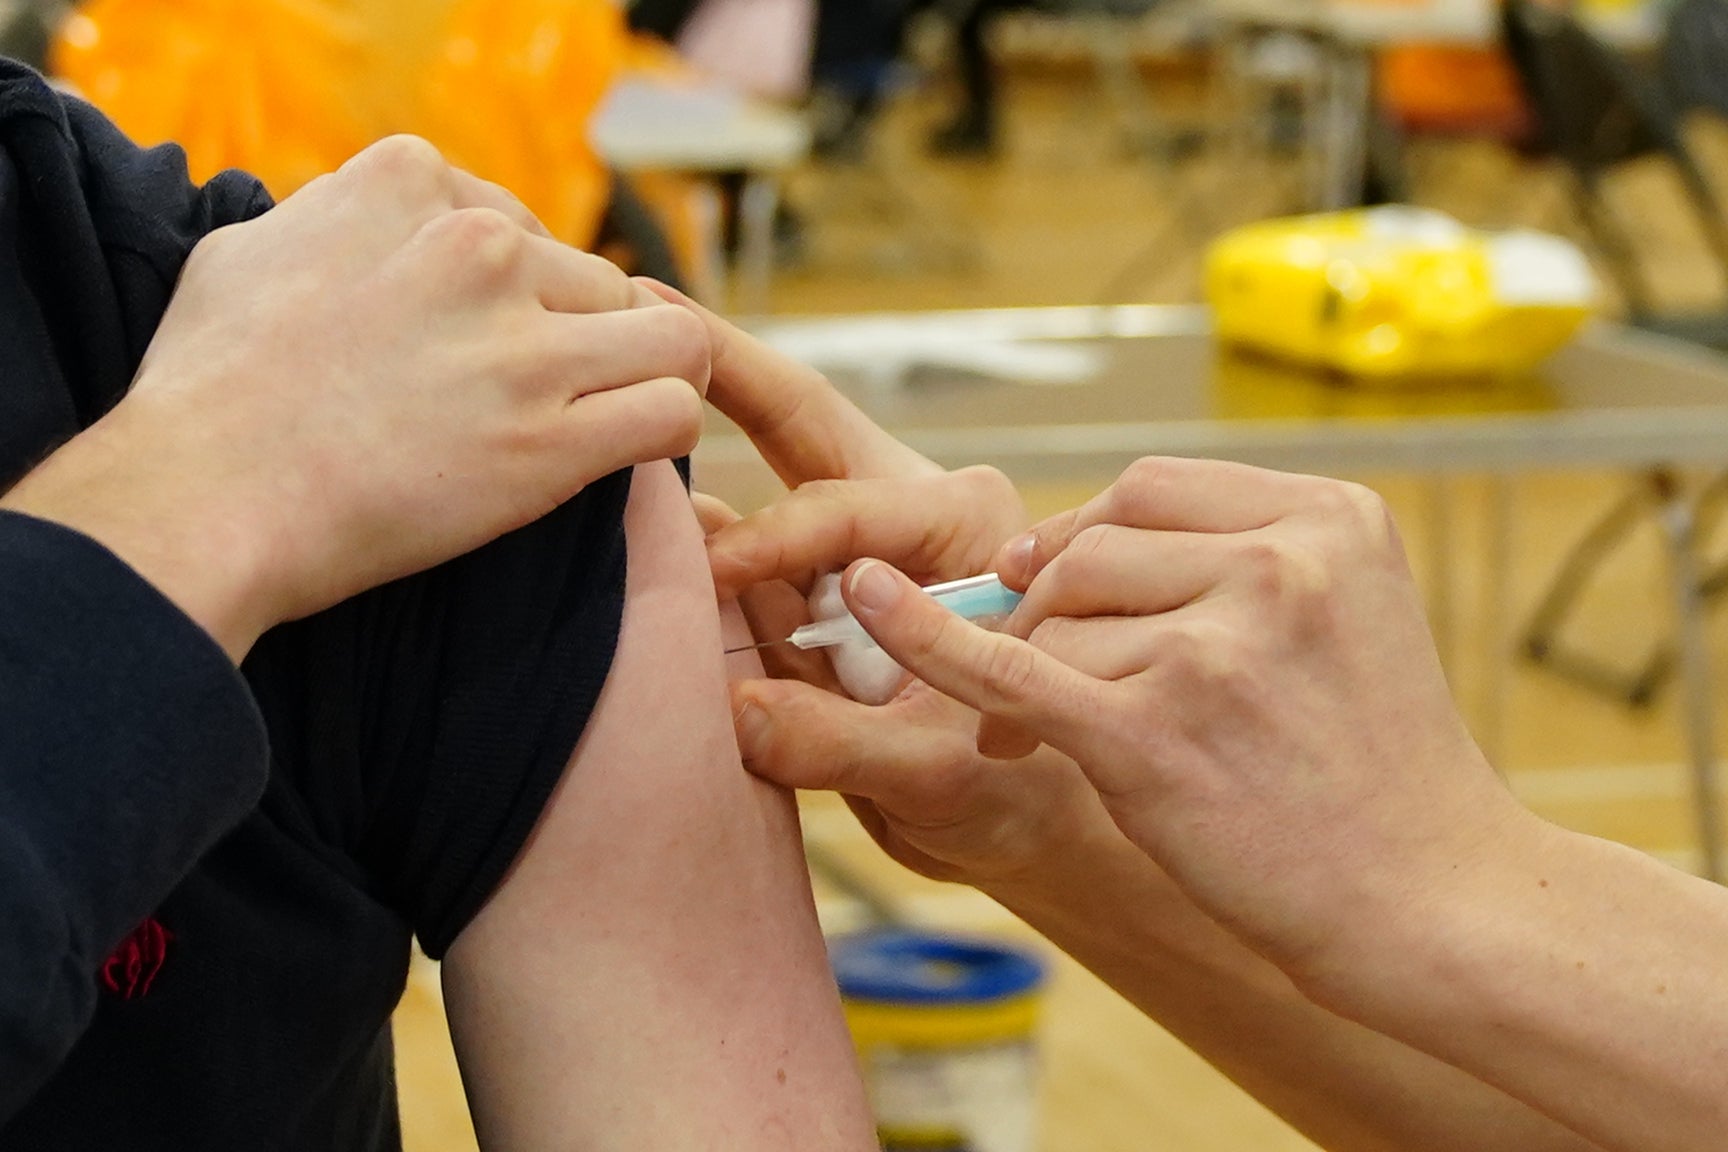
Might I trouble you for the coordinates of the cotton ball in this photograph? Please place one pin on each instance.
(869, 675)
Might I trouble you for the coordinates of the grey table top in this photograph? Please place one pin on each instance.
(652, 125)
(1079, 393)
(1459, 22)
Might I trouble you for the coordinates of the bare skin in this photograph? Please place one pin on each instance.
(1254, 811)
(651, 974)
(393, 367)
(390, 368)
(1237, 661)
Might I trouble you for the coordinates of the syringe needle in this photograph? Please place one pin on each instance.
(754, 647)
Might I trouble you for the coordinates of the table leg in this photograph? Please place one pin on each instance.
(1679, 529)
(708, 278)
(1118, 75)
(1349, 94)
(757, 204)
(1317, 89)
(1232, 98)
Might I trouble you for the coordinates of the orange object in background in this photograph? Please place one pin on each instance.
(1453, 91)
(264, 85)
(509, 95)
(289, 89)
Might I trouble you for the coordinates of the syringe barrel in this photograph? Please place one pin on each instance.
(975, 598)
(978, 598)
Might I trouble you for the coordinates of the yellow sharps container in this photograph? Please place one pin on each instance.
(1395, 294)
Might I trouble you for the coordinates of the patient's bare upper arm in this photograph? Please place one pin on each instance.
(650, 974)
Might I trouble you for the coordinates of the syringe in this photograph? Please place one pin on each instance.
(975, 598)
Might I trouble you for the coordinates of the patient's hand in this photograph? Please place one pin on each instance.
(391, 368)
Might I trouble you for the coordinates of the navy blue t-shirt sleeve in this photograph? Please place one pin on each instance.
(424, 724)
(93, 233)
(128, 744)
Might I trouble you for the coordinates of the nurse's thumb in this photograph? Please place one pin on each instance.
(996, 674)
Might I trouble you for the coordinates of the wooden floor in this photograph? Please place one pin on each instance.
(1066, 216)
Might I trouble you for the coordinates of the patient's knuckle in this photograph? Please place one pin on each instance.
(680, 413)
(605, 287)
(406, 162)
(684, 342)
(483, 242)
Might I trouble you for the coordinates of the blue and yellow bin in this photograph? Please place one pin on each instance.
(944, 1028)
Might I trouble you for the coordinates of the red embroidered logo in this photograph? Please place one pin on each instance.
(129, 972)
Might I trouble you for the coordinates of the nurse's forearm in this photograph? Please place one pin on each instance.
(1348, 1088)
(1574, 973)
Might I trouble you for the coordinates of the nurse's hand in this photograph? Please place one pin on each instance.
(912, 773)
(1238, 661)
(854, 491)
(803, 427)
(909, 768)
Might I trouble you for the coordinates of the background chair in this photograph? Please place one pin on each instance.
(1445, 95)
(864, 200)
(1594, 113)
(1695, 56)
(1113, 31)
(25, 29)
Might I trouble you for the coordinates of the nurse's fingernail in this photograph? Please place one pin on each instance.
(751, 725)
(873, 587)
(1017, 557)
